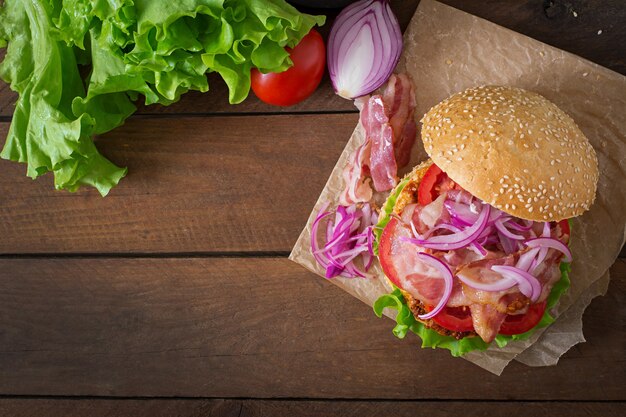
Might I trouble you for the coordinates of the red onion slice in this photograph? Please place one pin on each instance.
(502, 284)
(548, 242)
(364, 47)
(448, 278)
(479, 249)
(500, 225)
(527, 259)
(528, 284)
(315, 250)
(457, 240)
(347, 238)
(520, 228)
(461, 212)
(543, 252)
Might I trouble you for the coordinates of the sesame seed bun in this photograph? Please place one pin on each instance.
(515, 150)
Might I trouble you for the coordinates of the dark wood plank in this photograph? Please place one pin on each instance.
(115, 408)
(253, 328)
(571, 25)
(552, 22)
(194, 184)
(267, 408)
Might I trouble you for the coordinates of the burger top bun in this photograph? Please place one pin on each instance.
(515, 150)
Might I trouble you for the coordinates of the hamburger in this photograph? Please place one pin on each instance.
(475, 240)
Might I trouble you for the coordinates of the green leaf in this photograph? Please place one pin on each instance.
(158, 49)
(44, 132)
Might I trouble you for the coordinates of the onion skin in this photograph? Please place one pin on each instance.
(363, 48)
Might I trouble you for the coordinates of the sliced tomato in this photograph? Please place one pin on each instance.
(434, 182)
(458, 319)
(565, 230)
(384, 251)
(425, 189)
(521, 323)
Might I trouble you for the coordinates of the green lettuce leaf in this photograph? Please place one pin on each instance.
(405, 321)
(78, 65)
(44, 132)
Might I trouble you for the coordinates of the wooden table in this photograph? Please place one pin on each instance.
(174, 295)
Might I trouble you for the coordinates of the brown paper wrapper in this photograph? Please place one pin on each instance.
(447, 51)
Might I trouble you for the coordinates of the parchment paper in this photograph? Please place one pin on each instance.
(447, 51)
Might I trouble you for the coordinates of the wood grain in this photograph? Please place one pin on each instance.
(571, 25)
(195, 185)
(228, 328)
(552, 22)
(272, 408)
(254, 328)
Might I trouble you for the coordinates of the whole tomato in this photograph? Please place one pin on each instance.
(300, 80)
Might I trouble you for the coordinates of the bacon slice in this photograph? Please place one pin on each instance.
(409, 272)
(355, 175)
(383, 165)
(399, 97)
(486, 320)
(390, 131)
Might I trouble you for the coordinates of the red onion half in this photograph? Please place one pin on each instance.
(364, 47)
